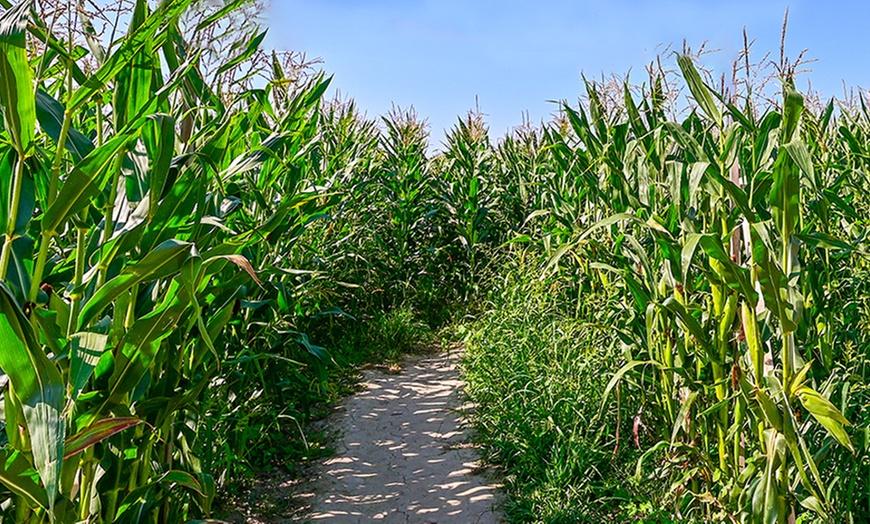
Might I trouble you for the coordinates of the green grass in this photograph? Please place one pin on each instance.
(536, 374)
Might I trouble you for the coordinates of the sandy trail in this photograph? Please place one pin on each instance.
(403, 455)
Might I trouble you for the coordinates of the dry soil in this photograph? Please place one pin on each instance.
(403, 453)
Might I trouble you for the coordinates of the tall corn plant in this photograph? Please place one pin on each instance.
(405, 186)
(467, 191)
(136, 203)
(707, 236)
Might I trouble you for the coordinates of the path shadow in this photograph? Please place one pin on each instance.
(403, 454)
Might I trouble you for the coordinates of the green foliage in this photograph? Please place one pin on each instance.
(713, 237)
(666, 316)
(537, 375)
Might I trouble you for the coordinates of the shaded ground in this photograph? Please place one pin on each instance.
(403, 453)
(402, 456)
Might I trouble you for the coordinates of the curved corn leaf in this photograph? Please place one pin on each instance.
(86, 181)
(50, 114)
(143, 36)
(166, 259)
(140, 344)
(38, 385)
(96, 433)
(699, 89)
(827, 414)
(20, 478)
(139, 502)
(86, 348)
(17, 93)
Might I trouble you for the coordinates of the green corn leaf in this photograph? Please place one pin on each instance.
(18, 274)
(27, 196)
(139, 502)
(165, 260)
(768, 406)
(735, 277)
(38, 385)
(50, 114)
(139, 345)
(159, 137)
(143, 36)
(251, 48)
(220, 14)
(699, 89)
(20, 478)
(687, 254)
(785, 192)
(133, 82)
(634, 118)
(86, 348)
(687, 142)
(17, 93)
(827, 414)
(621, 373)
(87, 180)
(774, 283)
(793, 108)
(696, 176)
(800, 155)
(819, 240)
(802, 456)
(797, 381)
(690, 322)
(638, 469)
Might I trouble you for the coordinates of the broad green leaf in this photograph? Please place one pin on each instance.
(17, 92)
(50, 114)
(687, 142)
(165, 260)
(770, 409)
(774, 283)
(86, 181)
(688, 254)
(793, 104)
(143, 36)
(20, 478)
(827, 414)
(159, 137)
(699, 89)
(139, 502)
(140, 344)
(133, 82)
(38, 385)
(785, 193)
(86, 348)
(634, 119)
(820, 240)
(734, 276)
(799, 154)
(690, 322)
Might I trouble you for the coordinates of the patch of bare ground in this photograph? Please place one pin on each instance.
(402, 455)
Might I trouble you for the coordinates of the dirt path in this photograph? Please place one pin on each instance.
(403, 455)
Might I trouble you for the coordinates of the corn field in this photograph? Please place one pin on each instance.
(185, 254)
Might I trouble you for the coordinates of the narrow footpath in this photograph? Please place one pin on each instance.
(403, 454)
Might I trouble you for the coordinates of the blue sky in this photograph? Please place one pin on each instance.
(513, 56)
